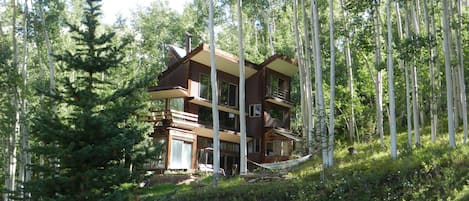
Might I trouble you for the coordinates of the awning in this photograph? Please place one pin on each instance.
(281, 64)
(229, 136)
(163, 92)
(224, 61)
(284, 132)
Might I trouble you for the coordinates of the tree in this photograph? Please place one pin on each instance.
(392, 105)
(308, 89)
(213, 79)
(319, 86)
(95, 142)
(242, 94)
(403, 65)
(449, 83)
(332, 85)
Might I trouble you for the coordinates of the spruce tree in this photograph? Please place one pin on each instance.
(93, 143)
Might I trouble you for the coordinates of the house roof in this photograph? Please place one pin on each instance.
(224, 61)
(159, 92)
(281, 64)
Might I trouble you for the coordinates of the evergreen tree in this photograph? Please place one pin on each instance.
(94, 143)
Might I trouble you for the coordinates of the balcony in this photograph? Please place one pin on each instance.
(188, 121)
(278, 96)
(173, 118)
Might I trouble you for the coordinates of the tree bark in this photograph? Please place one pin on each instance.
(403, 65)
(348, 62)
(319, 90)
(462, 85)
(379, 76)
(392, 106)
(299, 53)
(242, 94)
(332, 85)
(213, 79)
(307, 67)
(449, 90)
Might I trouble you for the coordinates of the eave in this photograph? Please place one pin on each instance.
(281, 64)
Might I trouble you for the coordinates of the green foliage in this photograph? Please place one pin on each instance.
(435, 172)
(93, 145)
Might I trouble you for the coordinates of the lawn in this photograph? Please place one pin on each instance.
(432, 172)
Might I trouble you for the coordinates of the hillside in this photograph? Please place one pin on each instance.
(434, 172)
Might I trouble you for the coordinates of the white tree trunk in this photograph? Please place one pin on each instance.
(213, 79)
(403, 66)
(242, 94)
(436, 73)
(392, 121)
(462, 85)
(10, 178)
(449, 87)
(332, 85)
(307, 67)
(319, 89)
(432, 73)
(379, 77)
(25, 173)
(348, 62)
(299, 53)
(50, 57)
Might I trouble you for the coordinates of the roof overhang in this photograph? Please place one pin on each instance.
(285, 133)
(279, 101)
(281, 64)
(203, 102)
(224, 61)
(229, 136)
(167, 92)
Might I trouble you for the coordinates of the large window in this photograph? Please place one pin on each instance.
(181, 154)
(278, 148)
(205, 90)
(227, 120)
(228, 94)
(177, 104)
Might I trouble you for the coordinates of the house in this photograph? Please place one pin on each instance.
(182, 110)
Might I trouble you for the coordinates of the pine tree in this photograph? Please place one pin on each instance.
(94, 142)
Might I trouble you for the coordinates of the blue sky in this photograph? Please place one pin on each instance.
(111, 8)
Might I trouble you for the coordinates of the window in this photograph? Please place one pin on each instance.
(277, 88)
(278, 148)
(254, 146)
(181, 154)
(177, 104)
(228, 94)
(205, 89)
(255, 110)
(227, 120)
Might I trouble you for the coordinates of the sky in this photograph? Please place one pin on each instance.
(111, 8)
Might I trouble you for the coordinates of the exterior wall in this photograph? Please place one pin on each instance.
(175, 77)
(254, 125)
(196, 69)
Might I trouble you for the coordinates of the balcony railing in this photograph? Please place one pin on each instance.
(168, 117)
(278, 93)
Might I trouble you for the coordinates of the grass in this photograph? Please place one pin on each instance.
(432, 172)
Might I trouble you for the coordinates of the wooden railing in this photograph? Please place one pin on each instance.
(170, 116)
(278, 93)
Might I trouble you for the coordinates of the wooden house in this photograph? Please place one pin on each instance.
(182, 112)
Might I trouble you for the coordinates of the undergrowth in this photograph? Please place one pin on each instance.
(433, 172)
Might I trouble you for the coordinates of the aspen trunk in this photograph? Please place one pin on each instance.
(307, 67)
(213, 79)
(332, 85)
(449, 90)
(392, 106)
(242, 94)
(379, 78)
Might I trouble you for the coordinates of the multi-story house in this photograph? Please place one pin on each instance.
(182, 113)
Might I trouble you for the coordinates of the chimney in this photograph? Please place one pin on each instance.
(188, 42)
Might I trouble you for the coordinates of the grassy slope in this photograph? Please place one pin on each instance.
(434, 172)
